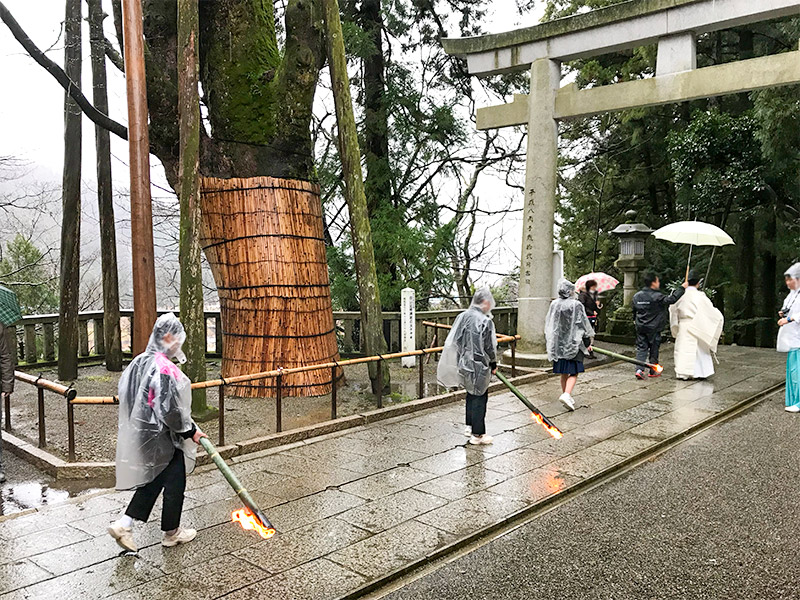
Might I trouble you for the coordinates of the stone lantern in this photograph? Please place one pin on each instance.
(631, 261)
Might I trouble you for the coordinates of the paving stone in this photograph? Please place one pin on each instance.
(569, 444)
(463, 482)
(389, 511)
(97, 581)
(285, 551)
(387, 551)
(209, 544)
(639, 415)
(205, 581)
(447, 462)
(77, 556)
(625, 444)
(20, 574)
(518, 461)
(39, 542)
(474, 512)
(312, 508)
(317, 580)
(585, 463)
(386, 483)
(533, 486)
(604, 428)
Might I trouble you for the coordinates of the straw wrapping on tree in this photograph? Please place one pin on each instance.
(263, 237)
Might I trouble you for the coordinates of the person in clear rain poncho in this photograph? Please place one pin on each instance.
(156, 440)
(569, 339)
(789, 338)
(469, 359)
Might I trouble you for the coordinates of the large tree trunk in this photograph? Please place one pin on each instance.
(350, 156)
(378, 180)
(112, 338)
(71, 202)
(257, 185)
(263, 237)
(190, 252)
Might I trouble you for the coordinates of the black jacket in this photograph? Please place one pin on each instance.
(589, 302)
(649, 308)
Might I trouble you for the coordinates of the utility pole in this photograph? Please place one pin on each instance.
(144, 274)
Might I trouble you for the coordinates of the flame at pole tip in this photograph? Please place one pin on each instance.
(249, 521)
(659, 369)
(553, 431)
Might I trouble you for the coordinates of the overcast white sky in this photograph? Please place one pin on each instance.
(31, 107)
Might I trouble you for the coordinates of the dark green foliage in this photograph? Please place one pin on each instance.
(27, 271)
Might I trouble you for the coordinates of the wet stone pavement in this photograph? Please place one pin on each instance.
(359, 504)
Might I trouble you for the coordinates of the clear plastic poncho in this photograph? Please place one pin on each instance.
(155, 406)
(789, 335)
(566, 325)
(470, 347)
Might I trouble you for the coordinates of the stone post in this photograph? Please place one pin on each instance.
(536, 268)
(408, 326)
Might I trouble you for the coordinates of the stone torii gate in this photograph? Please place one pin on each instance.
(674, 25)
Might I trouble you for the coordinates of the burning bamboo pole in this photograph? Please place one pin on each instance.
(249, 517)
(536, 414)
(633, 361)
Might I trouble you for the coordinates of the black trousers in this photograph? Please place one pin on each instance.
(648, 343)
(173, 481)
(476, 412)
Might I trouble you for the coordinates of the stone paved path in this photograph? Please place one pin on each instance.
(357, 505)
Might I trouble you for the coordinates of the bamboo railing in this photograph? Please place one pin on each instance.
(36, 336)
(74, 400)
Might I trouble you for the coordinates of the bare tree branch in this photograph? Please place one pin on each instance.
(60, 76)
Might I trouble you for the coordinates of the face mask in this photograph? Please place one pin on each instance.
(175, 350)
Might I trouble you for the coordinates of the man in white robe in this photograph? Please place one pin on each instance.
(697, 326)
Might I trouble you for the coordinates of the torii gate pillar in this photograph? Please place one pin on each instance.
(541, 177)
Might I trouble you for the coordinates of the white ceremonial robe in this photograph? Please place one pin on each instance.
(697, 326)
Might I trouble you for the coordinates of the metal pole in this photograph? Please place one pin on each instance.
(144, 274)
(278, 405)
(379, 391)
(42, 435)
(221, 415)
(421, 382)
(334, 392)
(71, 430)
(514, 358)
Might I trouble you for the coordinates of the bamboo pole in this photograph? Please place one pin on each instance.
(144, 274)
(46, 384)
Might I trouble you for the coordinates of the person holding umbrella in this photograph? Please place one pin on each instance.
(789, 338)
(569, 338)
(10, 314)
(588, 297)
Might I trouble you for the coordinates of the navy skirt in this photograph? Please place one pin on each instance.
(564, 366)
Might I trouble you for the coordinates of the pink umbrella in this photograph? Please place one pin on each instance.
(604, 281)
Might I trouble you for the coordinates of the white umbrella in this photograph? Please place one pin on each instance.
(694, 233)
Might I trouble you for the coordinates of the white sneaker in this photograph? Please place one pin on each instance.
(123, 536)
(481, 440)
(181, 536)
(793, 409)
(567, 400)
(468, 431)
